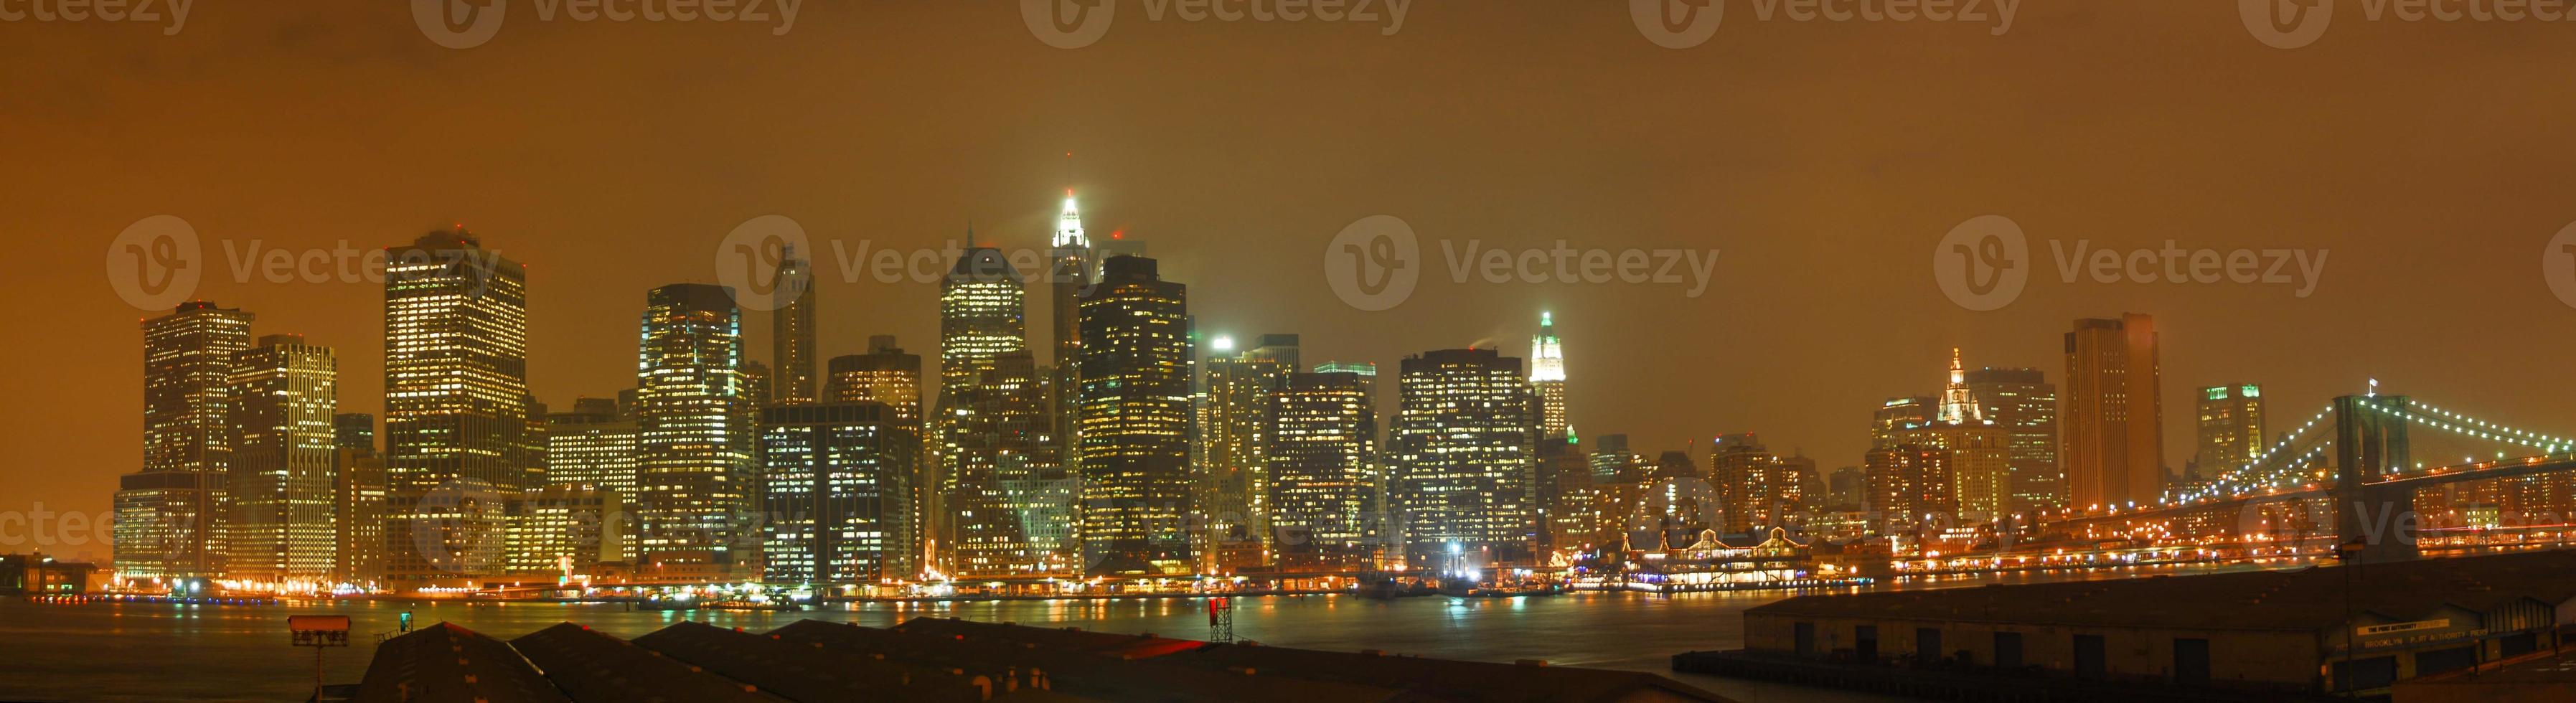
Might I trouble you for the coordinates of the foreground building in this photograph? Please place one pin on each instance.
(1463, 457)
(838, 484)
(283, 509)
(168, 513)
(1136, 422)
(1320, 450)
(456, 408)
(694, 437)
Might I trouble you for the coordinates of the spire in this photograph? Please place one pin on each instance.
(1958, 404)
(1547, 352)
(1068, 226)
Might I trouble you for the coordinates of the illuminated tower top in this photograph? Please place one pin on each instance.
(1547, 353)
(1958, 404)
(1068, 226)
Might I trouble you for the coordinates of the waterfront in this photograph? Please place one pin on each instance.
(135, 652)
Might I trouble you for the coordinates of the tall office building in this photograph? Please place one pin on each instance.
(1068, 275)
(756, 383)
(593, 446)
(2231, 427)
(694, 436)
(168, 514)
(2113, 427)
(1980, 451)
(1612, 462)
(456, 408)
(1136, 421)
(982, 315)
(280, 486)
(1320, 451)
(791, 332)
(1547, 375)
(1010, 498)
(1233, 487)
(837, 476)
(1909, 488)
(2024, 404)
(890, 376)
(358, 491)
(1462, 458)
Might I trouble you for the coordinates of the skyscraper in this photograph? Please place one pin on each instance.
(167, 514)
(1233, 480)
(284, 395)
(1135, 421)
(1980, 457)
(1010, 501)
(982, 315)
(358, 488)
(1759, 489)
(694, 438)
(1612, 462)
(2113, 428)
(2231, 427)
(890, 376)
(838, 478)
(791, 332)
(1547, 375)
(1909, 487)
(456, 389)
(1462, 458)
(591, 445)
(354, 430)
(2024, 404)
(1067, 277)
(1320, 450)
(1894, 417)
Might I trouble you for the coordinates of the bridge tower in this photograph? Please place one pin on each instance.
(2370, 440)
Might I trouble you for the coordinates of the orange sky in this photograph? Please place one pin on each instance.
(1823, 159)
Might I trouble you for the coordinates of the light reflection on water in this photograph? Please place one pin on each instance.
(163, 652)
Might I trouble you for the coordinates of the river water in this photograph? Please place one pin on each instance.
(139, 652)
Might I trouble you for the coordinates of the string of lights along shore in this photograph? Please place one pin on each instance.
(1129, 446)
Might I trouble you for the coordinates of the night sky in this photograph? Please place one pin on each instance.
(1824, 160)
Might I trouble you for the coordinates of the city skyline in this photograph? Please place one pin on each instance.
(1846, 211)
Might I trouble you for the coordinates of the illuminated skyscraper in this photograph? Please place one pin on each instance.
(982, 315)
(354, 430)
(358, 489)
(838, 480)
(890, 376)
(1547, 374)
(1980, 456)
(168, 514)
(280, 486)
(791, 332)
(1068, 275)
(2024, 404)
(1234, 488)
(1909, 487)
(456, 408)
(1462, 458)
(1320, 450)
(1898, 415)
(1760, 490)
(694, 439)
(2113, 426)
(1135, 421)
(756, 383)
(2231, 427)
